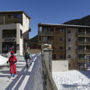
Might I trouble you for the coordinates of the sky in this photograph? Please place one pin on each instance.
(48, 11)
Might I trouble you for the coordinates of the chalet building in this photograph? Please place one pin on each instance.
(33, 45)
(14, 31)
(69, 42)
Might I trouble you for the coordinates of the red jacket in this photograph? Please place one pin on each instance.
(12, 60)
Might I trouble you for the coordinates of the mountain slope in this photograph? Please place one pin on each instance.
(83, 21)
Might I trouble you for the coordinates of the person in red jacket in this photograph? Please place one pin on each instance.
(12, 51)
(12, 60)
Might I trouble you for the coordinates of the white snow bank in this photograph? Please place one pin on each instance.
(3, 60)
(71, 80)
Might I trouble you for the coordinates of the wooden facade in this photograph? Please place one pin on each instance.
(69, 42)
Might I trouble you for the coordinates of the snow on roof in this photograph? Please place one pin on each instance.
(66, 25)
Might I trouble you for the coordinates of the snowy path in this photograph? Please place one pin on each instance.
(72, 80)
(28, 79)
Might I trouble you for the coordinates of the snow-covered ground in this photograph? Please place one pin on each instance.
(72, 80)
(3, 60)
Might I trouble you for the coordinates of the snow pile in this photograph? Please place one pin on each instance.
(3, 60)
(71, 80)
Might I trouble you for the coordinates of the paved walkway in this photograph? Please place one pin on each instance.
(28, 78)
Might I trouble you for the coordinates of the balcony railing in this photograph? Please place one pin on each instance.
(46, 33)
(9, 39)
(84, 42)
(84, 51)
(82, 60)
(84, 34)
(49, 42)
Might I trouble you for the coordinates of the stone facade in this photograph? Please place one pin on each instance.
(71, 40)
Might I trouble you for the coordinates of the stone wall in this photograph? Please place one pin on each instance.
(49, 83)
(71, 47)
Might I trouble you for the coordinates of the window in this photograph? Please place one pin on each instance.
(9, 16)
(61, 48)
(15, 15)
(60, 39)
(45, 39)
(69, 39)
(69, 65)
(39, 38)
(69, 48)
(40, 28)
(19, 15)
(60, 57)
(61, 30)
(6, 46)
(81, 56)
(8, 33)
(21, 33)
(54, 56)
(48, 38)
(69, 56)
(69, 31)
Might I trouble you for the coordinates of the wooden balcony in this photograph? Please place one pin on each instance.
(83, 61)
(9, 39)
(46, 33)
(84, 42)
(48, 42)
(83, 51)
(83, 34)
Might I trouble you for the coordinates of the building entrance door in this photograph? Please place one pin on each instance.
(7, 46)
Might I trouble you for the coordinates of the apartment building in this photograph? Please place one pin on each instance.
(14, 31)
(69, 42)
